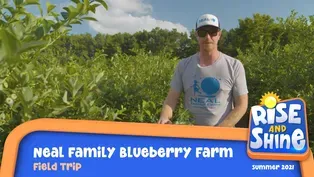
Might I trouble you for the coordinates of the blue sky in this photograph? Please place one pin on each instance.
(136, 15)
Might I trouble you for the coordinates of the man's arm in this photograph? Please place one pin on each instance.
(176, 87)
(241, 104)
(169, 106)
(240, 95)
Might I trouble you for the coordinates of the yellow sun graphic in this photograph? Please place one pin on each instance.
(270, 100)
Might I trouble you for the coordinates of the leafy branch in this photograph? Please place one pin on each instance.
(21, 31)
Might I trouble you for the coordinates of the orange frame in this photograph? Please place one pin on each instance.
(103, 127)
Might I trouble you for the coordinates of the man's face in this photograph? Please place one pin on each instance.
(208, 37)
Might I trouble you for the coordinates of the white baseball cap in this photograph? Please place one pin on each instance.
(207, 20)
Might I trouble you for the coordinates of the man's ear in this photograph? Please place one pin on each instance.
(220, 33)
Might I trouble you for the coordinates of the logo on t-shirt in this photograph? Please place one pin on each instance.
(205, 91)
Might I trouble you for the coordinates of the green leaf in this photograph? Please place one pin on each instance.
(65, 97)
(49, 6)
(54, 14)
(103, 3)
(47, 26)
(6, 17)
(31, 2)
(72, 12)
(32, 45)
(39, 32)
(58, 111)
(9, 44)
(76, 22)
(2, 22)
(90, 18)
(40, 10)
(18, 2)
(86, 4)
(10, 9)
(18, 29)
(65, 15)
(29, 19)
(93, 7)
(27, 94)
(80, 7)
(76, 1)
(99, 76)
(77, 88)
(3, 2)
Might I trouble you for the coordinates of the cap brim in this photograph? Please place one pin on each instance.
(204, 26)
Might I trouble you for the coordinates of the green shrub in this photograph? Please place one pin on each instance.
(27, 81)
(284, 69)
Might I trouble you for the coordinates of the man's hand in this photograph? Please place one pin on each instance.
(168, 107)
(241, 104)
(164, 121)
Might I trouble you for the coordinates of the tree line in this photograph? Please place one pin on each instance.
(250, 31)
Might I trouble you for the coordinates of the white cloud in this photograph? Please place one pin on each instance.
(129, 16)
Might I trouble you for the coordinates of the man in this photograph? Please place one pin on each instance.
(214, 83)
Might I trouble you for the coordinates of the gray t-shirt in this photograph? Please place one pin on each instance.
(209, 91)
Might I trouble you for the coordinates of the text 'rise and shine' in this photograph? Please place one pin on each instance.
(276, 136)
